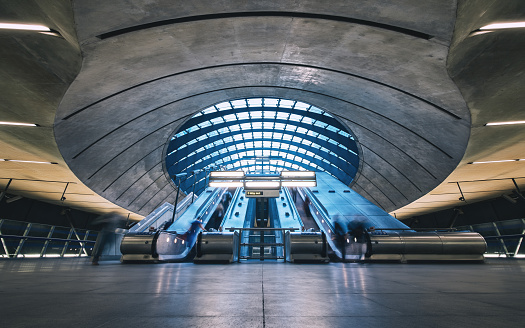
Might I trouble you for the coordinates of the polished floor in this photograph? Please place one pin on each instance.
(72, 293)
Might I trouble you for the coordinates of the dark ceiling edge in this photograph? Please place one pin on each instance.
(264, 63)
(196, 18)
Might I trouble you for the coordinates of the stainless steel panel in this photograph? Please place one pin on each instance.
(216, 243)
(138, 243)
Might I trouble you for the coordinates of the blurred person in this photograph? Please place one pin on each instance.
(110, 222)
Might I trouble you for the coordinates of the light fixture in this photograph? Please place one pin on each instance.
(225, 184)
(227, 174)
(22, 161)
(290, 174)
(505, 123)
(500, 161)
(26, 27)
(17, 123)
(52, 34)
(262, 184)
(299, 184)
(499, 26)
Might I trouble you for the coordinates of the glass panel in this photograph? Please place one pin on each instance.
(282, 140)
(209, 110)
(255, 102)
(239, 103)
(223, 106)
(270, 102)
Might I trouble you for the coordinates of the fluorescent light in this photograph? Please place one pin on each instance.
(227, 174)
(500, 161)
(289, 174)
(225, 184)
(262, 184)
(27, 27)
(498, 26)
(17, 123)
(21, 161)
(299, 183)
(505, 123)
(471, 34)
(51, 33)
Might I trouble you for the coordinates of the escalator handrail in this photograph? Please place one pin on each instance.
(294, 208)
(319, 207)
(231, 206)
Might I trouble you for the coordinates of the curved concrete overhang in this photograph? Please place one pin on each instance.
(380, 68)
(488, 68)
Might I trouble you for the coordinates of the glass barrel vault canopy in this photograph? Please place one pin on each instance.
(261, 134)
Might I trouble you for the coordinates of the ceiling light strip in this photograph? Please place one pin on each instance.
(499, 26)
(505, 123)
(26, 27)
(500, 161)
(24, 161)
(17, 123)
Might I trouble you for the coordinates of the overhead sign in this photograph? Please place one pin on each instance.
(262, 193)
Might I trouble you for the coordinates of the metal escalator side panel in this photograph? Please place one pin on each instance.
(463, 243)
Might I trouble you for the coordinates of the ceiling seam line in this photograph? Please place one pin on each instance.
(381, 191)
(402, 151)
(382, 176)
(391, 166)
(155, 195)
(417, 134)
(144, 190)
(285, 14)
(369, 195)
(132, 166)
(138, 179)
(133, 144)
(262, 63)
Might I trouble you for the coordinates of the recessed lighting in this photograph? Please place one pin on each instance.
(51, 33)
(17, 123)
(471, 34)
(500, 161)
(505, 123)
(22, 161)
(27, 27)
(498, 26)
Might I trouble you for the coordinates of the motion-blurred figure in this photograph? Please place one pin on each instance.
(190, 236)
(357, 227)
(340, 236)
(110, 222)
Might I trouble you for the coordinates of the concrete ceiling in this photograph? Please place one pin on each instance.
(404, 76)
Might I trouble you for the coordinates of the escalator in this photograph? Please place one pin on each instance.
(166, 245)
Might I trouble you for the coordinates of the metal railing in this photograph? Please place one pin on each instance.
(22, 239)
(262, 245)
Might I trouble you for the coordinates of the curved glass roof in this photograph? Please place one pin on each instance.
(260, 135)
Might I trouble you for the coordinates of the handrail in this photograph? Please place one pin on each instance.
(206, 205)
(417, 229)
(321, 209)
(266, 229)
(230, 209)
(47, 238)
(286, 190)
(504, 236)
